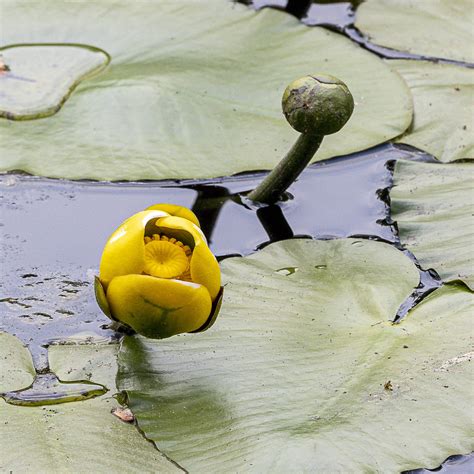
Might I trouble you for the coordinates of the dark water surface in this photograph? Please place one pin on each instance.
(54, 232)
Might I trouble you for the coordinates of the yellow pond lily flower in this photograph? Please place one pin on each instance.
(157, 274)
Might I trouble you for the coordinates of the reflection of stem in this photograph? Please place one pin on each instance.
(298, 8)
(274, 223)
(284, 174)
(208, 205)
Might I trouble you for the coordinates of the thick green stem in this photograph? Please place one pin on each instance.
(315, 106)
(285, 173)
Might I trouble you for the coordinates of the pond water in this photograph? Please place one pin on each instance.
(51, 253)
(54, 231)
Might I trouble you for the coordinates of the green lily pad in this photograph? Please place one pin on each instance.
(16, 364)
(433, 206)
(42, 77)
(72, 437)
(193, 90)
(437, 28)
(442, 123)
(303, 371)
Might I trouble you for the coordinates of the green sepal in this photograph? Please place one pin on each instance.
(216, 307)
(101, 298)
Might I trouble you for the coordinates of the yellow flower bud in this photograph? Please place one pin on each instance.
(158, 275)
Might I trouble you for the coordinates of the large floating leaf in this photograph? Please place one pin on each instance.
(43, 77)
(193, 90)
(433, 205)
(16, 365)
(443, 123)
(75, 437)
(438, 28)
(303, 372)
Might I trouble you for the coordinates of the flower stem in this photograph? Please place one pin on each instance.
(285, 173)
(315, 106)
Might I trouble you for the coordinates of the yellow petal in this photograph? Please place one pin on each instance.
(175, 210)
(205, 269)
(181, 229)
(158, 308)
(124, 252)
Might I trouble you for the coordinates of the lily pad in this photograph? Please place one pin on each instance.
(304, 372)
(72, 437)
(442, 123)
(193, 90)
(16, 365)
(436, 28)
(41, 77)
(433, 206)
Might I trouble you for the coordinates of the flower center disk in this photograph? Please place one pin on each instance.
(164, 258)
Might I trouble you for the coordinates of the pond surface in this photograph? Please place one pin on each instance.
(54, 232)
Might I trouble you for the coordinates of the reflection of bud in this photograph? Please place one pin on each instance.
(157, 274)
(317, 104)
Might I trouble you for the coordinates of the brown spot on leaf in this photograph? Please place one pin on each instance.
(3, 67)
(124, 414)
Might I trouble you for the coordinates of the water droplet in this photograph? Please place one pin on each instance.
(47, 389)
(287, 271)
(357, 243)
(321, 267)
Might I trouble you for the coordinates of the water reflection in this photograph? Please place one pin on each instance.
(208, 205)
(274, 222)
(330, 199)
